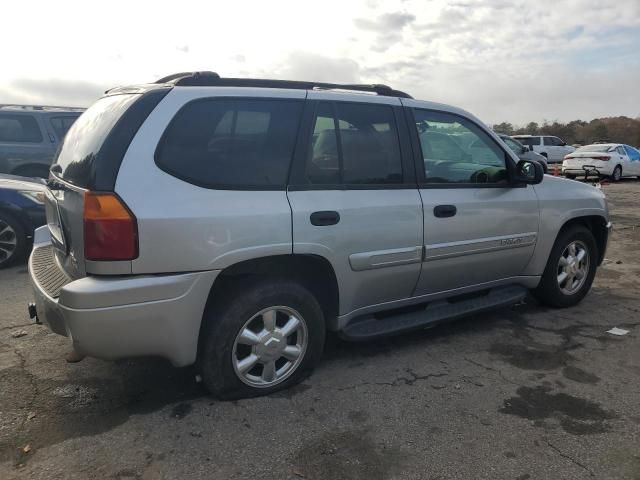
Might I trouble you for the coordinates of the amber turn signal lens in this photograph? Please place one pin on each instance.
(110, 229)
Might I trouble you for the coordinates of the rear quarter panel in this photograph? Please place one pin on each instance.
(183, 227)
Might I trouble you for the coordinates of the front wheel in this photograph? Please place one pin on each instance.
(570, 269)
(267, 337)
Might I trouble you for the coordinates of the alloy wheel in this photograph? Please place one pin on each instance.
(270, 346)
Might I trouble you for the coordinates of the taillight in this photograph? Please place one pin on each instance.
(110, 229)
(604, 158)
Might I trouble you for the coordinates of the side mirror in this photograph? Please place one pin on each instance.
(528, 172)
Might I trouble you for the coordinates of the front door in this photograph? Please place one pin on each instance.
(478, 226)
(354, 198)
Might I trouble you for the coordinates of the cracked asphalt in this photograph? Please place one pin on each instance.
(520, 393)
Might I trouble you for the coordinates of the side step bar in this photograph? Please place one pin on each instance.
(370, 327)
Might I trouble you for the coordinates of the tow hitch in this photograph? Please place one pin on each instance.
(33, 313)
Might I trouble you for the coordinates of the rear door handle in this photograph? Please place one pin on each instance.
(444, 211)
(325, 218)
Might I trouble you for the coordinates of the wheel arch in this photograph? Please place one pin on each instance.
(596, 224)
(314, 272)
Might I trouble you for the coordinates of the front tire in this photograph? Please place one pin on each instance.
(13, 240)
(266, 337)
(570, 269)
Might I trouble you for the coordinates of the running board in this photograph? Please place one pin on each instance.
(370, 327)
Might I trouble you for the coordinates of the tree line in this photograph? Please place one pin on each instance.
(610, 129)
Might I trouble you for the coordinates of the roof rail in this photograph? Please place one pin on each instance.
(41, 107)
(212, 79)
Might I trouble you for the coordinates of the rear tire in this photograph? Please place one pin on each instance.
(570, 176)
(617, 174)
(559, 293)
(13, 240)
(245, 350)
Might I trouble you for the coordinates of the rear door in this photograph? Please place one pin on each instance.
(478, 227)
(624, 161)
(634, 159)
(80, 161)
(555, 149)
(354, 198)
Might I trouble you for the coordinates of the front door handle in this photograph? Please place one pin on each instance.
(444, 211)
(325, 218)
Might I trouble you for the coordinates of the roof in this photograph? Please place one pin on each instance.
(212, 79)
(40, 108)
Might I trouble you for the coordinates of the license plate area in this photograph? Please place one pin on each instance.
(54, 222)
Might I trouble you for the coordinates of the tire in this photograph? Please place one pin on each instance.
(617, 174)
(13, 240)
(550, 291)
(570, 176)
(220, 356)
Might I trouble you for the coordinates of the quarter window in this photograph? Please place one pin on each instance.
(19, 129)
(235, 143)
(354, 144)
(457, 151)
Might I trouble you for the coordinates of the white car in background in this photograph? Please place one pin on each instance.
(548, 146)
(613, 160)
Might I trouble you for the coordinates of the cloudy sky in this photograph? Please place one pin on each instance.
(513, 61)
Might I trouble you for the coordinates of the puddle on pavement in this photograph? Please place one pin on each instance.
(575, 415)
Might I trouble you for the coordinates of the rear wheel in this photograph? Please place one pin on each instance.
(13, 240)
(570, 269)
(570, 176)
(266, 338)
(617, 173)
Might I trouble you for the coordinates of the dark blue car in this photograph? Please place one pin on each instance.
(21, 212)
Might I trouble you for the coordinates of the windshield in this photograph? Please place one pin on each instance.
(85, 137)
(594, 148)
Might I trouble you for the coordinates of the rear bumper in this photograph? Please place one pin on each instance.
(123, 316)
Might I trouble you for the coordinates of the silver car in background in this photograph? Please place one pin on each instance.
(523, 152)
(232, 222)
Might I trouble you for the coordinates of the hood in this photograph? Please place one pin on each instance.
(13, 182)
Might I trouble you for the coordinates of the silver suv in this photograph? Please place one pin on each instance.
(233, 222)
(30, 136)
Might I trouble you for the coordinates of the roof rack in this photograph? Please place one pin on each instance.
(41, 107)
(212, 79)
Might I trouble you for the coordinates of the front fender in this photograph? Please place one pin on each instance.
(562, 201)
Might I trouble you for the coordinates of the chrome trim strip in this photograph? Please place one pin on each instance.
(385, 258)
(440, 251)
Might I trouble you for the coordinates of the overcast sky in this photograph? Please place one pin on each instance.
(513, 61)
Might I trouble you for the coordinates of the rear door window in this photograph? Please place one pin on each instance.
(16, 128)
(632, 153)
(238, 143)
(354, 144)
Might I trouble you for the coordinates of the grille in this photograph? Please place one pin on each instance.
(47, 272)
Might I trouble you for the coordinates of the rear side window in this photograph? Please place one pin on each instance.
(62, 124)
(19, 129)
(81, 145)
(222, 143)
(354, 144)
